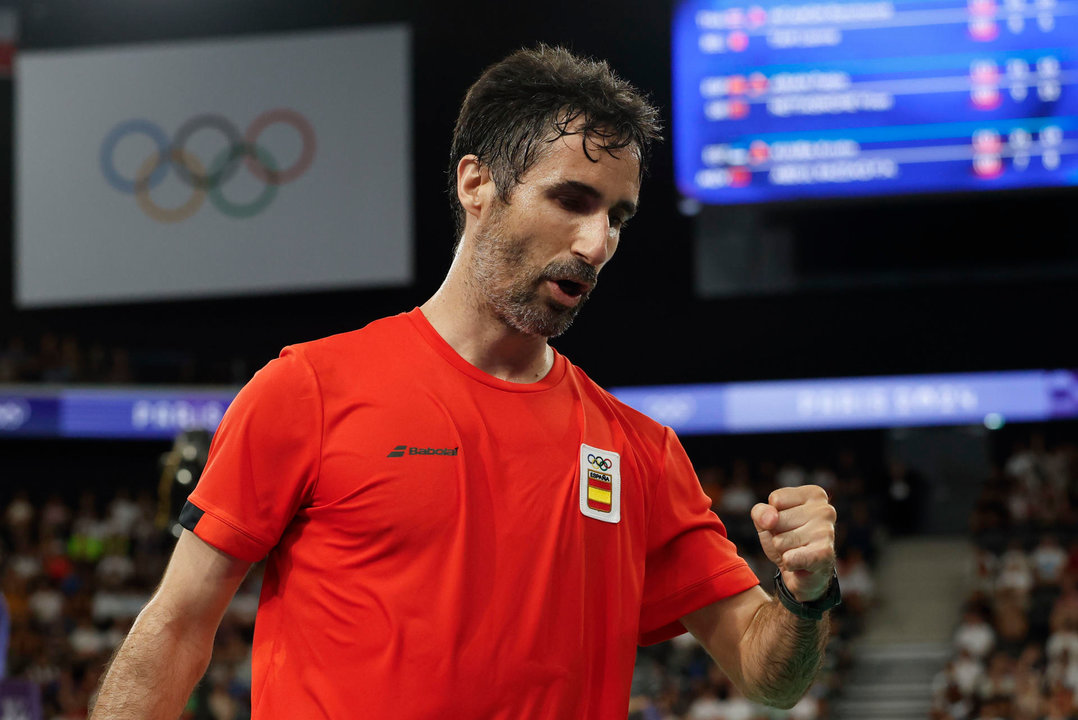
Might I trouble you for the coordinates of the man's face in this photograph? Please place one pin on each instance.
(537, 258)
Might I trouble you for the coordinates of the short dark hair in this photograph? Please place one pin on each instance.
(534, 96)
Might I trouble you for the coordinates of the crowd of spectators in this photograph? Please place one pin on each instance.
(76, 571)
(1016, 647)
(55, 358)
(74, 574)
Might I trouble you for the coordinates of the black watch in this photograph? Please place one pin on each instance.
(814, 609)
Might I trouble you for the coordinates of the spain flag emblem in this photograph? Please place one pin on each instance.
(600, 484)
(599, 491)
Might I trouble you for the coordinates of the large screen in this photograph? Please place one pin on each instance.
(778, 100)
(255, 164)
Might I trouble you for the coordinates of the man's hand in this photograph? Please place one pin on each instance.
(797, 533)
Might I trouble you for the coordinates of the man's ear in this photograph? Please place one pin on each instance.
(474, 185)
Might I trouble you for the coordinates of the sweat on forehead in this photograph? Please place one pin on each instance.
(594, 139)
(510, 164)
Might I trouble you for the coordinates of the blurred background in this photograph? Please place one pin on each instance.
(854, 265)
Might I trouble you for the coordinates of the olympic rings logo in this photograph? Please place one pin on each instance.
(600, 462)
(202, 181)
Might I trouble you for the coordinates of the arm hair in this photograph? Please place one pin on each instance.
(169, 647)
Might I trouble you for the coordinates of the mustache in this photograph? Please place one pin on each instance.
(575, 269)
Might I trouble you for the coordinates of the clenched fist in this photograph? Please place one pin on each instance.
(797, 533)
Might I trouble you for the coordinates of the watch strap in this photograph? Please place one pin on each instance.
(814, 609)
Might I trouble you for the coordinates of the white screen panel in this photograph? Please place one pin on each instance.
(202, 169)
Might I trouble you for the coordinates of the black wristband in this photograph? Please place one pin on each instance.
(814, 609)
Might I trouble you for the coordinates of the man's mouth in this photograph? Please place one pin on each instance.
(567, 292)
(570, 281)
(572, 288)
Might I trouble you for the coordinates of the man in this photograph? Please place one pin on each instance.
(458, 522)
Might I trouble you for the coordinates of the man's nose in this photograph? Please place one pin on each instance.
(595, 241)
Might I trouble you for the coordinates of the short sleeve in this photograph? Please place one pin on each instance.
(263, 461)
(690, 561)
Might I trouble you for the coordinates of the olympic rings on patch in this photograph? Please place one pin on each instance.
(600, 462)
(240, 148)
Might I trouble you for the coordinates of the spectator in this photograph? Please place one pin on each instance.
(968, 672)
(1065, 609)
(984, 569)
(1028, 679)
(860, 532)
(46, 603)
(1015, 572)
(948, 699)
(1048, 559)
(903, 498)
(791, 475)
(86, 640)
(1011, 621)
(1071, 568)
(858, 585)
(998, 680)
(1062, 646)
(974, 635)
(14, 361)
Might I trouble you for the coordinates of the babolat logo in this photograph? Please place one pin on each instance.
(402, 450)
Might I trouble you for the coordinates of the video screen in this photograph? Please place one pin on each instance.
(780, 101)
(213, 168)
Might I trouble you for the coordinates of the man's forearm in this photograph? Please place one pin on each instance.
(783, 654)
(154, 671)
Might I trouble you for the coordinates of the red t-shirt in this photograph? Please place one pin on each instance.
(446, 544)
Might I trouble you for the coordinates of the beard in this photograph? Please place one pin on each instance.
(512, 288)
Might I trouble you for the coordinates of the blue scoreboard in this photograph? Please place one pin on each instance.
(778, 101)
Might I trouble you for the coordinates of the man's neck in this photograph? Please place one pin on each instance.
(467, 323)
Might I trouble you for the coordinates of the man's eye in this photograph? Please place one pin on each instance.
(572, 203)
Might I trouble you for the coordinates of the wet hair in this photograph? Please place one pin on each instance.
(520, 105)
